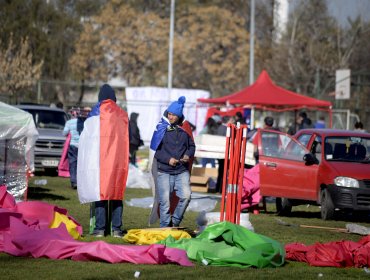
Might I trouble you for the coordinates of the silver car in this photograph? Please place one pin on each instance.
(49, 146)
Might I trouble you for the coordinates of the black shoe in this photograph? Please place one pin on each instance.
(74, 186)
(117, 234)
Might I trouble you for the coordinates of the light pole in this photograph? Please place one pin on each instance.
(251, 45)
(170, 49)
(251, 55)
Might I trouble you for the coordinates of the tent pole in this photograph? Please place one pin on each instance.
(251, 44)
(295, 121)
(252, 118)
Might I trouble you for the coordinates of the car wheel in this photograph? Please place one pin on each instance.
(327, 206)
(283, 206)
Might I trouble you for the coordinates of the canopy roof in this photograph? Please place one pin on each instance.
(265, 94)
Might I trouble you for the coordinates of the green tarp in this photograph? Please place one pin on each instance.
(227, 244)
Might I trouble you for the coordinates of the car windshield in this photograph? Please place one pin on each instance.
(348, 148)
(48, 119)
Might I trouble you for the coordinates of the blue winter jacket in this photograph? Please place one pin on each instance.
(175, 144)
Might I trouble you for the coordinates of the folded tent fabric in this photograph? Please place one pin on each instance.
(35, 214)
(6, 199)
(28, 235)
(227, 244)
(343, 253)
(103, 154)
(24, 241)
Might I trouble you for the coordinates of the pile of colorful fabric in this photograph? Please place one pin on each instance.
(220, 244)
(37, 229)
(227, 244)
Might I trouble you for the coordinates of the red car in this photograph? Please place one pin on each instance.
(327, 167)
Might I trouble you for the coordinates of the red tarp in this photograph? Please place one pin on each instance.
(265, 94)
(338, 253)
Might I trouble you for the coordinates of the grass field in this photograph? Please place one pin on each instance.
(58, 192)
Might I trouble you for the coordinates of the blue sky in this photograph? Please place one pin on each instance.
(342, 9)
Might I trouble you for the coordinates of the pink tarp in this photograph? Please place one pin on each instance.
(338, 253)
(63, 167)
(251, 187)
(24, 231)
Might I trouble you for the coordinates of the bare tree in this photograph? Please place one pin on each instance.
(313, 47)
(18, 71)
(211, 48)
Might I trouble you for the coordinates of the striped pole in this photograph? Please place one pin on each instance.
(224, 179)
(230, 173)
(241, 172)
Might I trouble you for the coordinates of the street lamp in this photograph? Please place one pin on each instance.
(251, 45)
(170, 49)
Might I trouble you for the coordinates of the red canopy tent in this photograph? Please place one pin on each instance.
(265, 95)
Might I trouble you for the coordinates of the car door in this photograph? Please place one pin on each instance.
(283, 172)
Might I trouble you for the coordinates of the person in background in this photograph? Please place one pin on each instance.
(268, 123)
(74, 127)
(60, 105)
(359, 127)
(221, 130)
(210, 128)
(269, 140)
(239, 118)
(304, 121)
(320, 123)
(291, 130)
(174, 148)
(217, 118)
(86, 110)
(135, 140)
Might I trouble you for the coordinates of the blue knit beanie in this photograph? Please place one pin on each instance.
(107, 92)
(176, 107)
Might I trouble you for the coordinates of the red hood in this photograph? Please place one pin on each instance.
(350, 169)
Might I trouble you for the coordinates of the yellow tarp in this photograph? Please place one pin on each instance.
(70, 225)
(152, 236)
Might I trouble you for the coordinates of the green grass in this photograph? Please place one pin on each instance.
(58, 192)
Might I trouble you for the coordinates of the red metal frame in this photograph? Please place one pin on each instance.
(232, 185)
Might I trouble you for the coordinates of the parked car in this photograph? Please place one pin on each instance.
(49, 146)
(326, 167)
